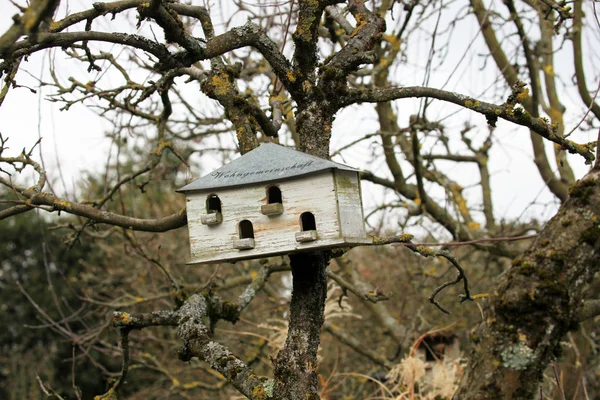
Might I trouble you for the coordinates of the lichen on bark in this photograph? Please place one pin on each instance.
(296, 364)
(537, 302)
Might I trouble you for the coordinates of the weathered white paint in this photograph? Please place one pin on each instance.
(276, 234)
(306, 236)
(347, 188)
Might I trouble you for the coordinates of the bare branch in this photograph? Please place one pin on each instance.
(28, 23)
(164, 224)
(491, 111)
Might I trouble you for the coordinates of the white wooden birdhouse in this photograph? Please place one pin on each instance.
(273, 200)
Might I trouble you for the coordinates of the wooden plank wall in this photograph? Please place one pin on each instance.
(273, 234)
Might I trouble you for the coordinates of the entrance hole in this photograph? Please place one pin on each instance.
(246, 230)
(213, 204)
(274, 195)
(307, 222)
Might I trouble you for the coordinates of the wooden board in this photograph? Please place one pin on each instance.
(349, 201)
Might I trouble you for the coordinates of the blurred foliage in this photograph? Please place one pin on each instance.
(31, 343)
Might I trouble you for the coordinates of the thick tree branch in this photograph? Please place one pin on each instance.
(247, 35)
(197, 343)
(28, 23)
(491, 111)
(305, 38)
(368, 31)
(164, 224)
(66, 39)
(537, 302)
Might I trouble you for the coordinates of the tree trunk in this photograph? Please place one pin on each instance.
(296, 364)
(537, 302)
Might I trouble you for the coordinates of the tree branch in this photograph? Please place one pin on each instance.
(28, 23)
(537, 301)
(368, 31)
(164, 224)
(491, 111)
(197, 343)
(578, 60)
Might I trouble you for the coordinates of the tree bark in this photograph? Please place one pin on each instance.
(296, 364)
(537, 302)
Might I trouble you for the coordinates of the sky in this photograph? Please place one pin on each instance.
(74, 141)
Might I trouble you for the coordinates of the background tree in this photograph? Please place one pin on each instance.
(287, 74)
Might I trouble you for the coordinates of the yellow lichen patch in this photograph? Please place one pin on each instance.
(253, 274)
(523, 95)
(468, 103)
(480, 296)
(161, 146)
(406, 237)
(459, 199)
(417, 201)
(125, 317)
(555, 114)
(191, 385)
(220, 83)
(425, 251)
(290, 76)
(522, 337)
(62, 205)
(359, 26)
(259, 393)
(394, 41)
(139, 299)
(473, 225)
(306, 86)
(461, 204)
(549, 69)
(379, 240)
(110, 395)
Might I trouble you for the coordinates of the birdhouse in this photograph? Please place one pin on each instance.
(273, 200)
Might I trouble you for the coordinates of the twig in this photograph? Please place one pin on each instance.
(405, 239)
(372, 297)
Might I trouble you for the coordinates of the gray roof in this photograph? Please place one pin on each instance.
(268, 162)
